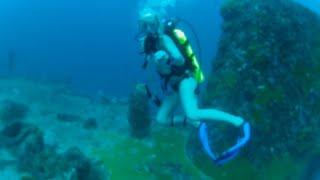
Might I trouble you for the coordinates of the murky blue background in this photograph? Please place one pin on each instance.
(90, 44)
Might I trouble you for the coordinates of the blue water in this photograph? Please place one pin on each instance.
(90, 44)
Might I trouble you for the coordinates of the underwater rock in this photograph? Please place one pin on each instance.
(312, 171)
(64, 117)
(90, 123)
(266, 69)
(12, 130)
(48, 164)
(139, 112)
(103, 99)
(12, 111)
(83, 168)
(43, 165)
(40, 161)
(21, 135)
(33, 143)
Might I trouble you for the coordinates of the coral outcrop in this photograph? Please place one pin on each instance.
(267, 70)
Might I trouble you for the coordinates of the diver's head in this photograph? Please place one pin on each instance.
(149, 22)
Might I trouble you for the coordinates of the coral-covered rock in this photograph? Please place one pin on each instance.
(267, 70)
(40, 161)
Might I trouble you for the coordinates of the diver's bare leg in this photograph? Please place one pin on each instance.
(190, 106)
(166, 109)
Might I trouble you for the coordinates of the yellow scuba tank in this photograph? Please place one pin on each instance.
(181, 41)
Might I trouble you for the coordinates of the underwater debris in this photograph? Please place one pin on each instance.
(12, 111)
(267, 65)
(11, 61)
(139, 112)
(103, 99)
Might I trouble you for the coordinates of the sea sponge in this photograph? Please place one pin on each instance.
(139, 112)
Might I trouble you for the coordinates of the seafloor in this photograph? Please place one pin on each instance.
(98, 131)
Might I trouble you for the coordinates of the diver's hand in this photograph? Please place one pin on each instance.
(161, 57)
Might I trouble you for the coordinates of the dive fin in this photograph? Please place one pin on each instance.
(230, 153)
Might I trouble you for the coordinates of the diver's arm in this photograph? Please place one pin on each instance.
(172, 49)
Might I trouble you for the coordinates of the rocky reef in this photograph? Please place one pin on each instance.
(37, 140)
(12, 111)
(36, 160)
(267, 70)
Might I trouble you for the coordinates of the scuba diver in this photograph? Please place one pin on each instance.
(170, 51)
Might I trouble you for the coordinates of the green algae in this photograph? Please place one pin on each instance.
(267, 94)
(282, 168)
(239, 168)
(258, 115)
(166, 158)
(230, 79)
(215, 91)
(278, 168)
(163, 157)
